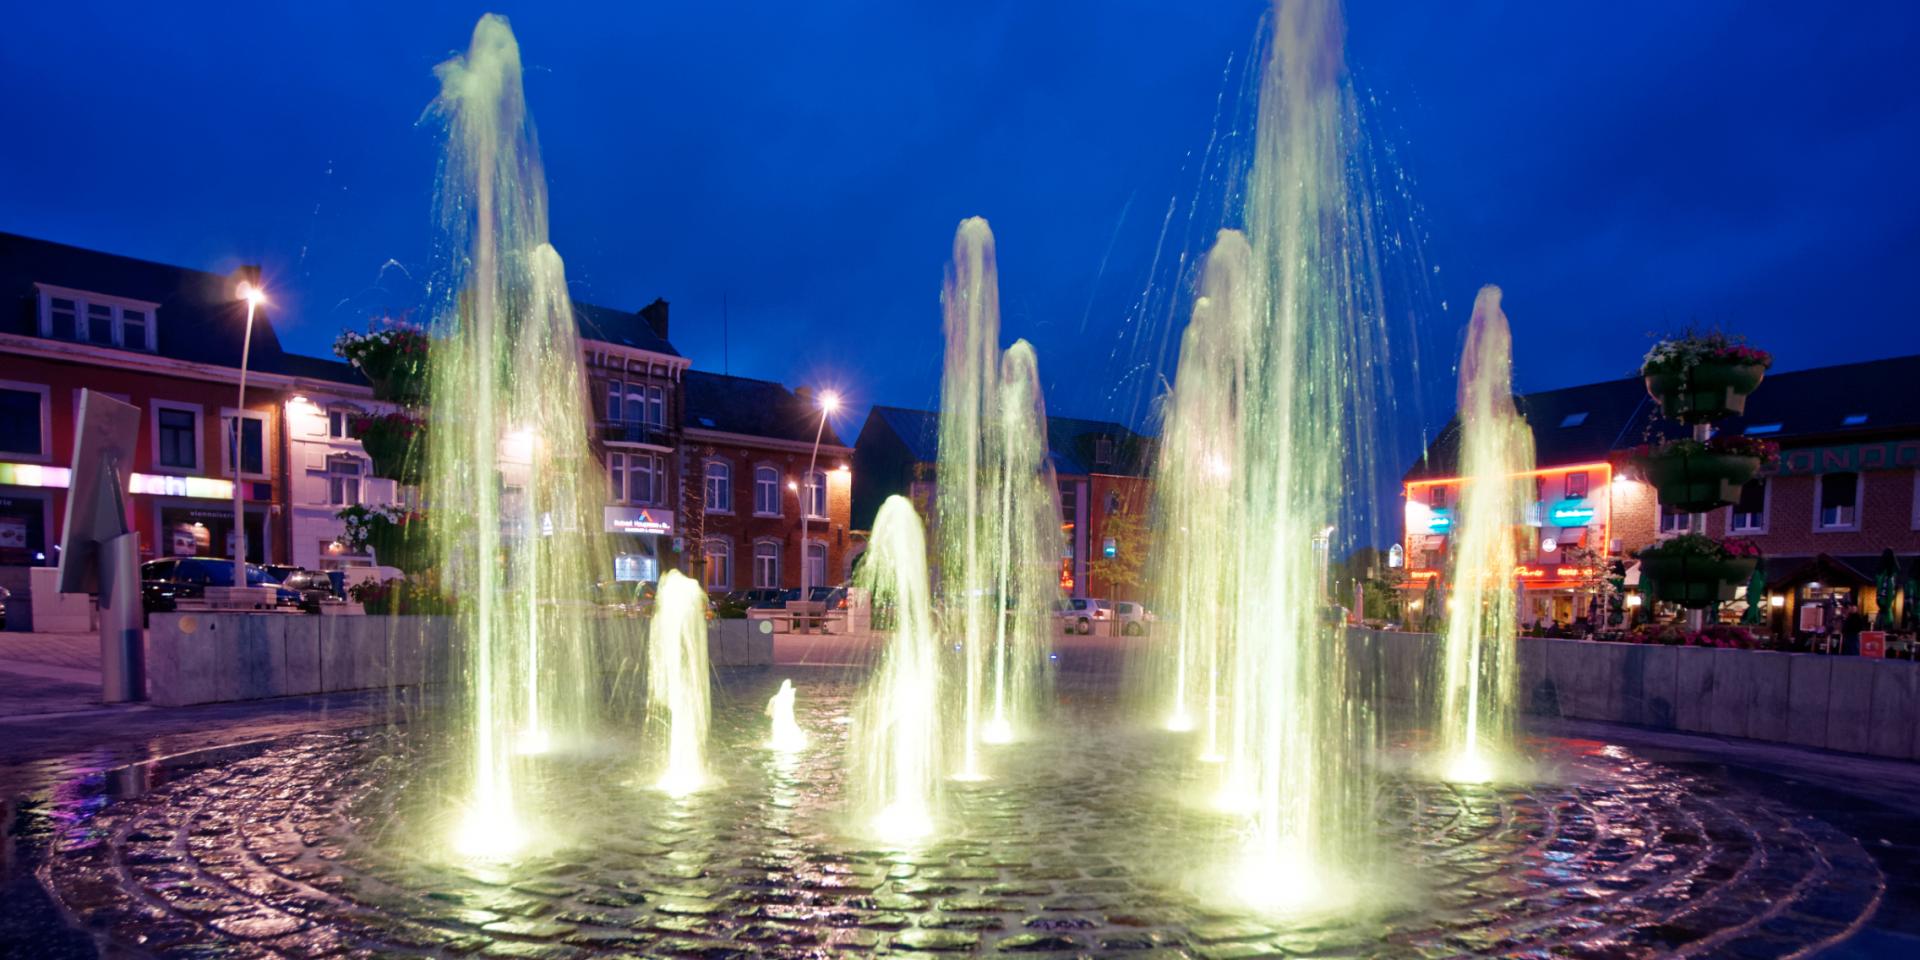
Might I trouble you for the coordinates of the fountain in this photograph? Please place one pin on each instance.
(678, 677)
(1496, 457)
(997, 518)
(786, 735)
(898, 750)
(520, 544)
(1269, 445)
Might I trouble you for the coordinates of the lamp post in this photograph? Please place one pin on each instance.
(254, 296)
(829, 402)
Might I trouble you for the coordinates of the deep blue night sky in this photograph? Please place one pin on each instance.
(1620, 168)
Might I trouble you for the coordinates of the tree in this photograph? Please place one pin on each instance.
(1124, 566)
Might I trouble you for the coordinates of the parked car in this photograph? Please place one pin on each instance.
(631, 596)
(1134, 619)
(1079, 614)
(187, 578)
(310, 587)
(735, 605)
(834, 598)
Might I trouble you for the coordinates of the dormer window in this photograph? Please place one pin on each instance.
(1102, 451)
(97, 319)
(1574, 419)
(1854, 420)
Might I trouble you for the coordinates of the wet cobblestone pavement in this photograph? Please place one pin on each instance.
(329, 845)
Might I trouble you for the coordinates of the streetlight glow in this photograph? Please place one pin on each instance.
(253, 295)
(829, 401)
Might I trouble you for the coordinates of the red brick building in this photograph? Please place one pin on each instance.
(748, 442)
(168, 340)
(1847, 486)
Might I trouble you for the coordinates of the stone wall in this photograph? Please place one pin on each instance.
(1851, 704)
(205, 657)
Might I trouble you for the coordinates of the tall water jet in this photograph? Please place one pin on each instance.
(1029, 546)
(1274, 442)
(679, 676)
(1496, 456)
(898, 752)
(993, 487)
(519, 544)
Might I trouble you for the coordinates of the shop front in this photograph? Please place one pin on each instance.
(640, 538)
(26, 517)
(186, 528)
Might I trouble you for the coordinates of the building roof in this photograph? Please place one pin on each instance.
(757, 408)
(608, 325)
(1072, 442)
(1867, 400)
(199, 318)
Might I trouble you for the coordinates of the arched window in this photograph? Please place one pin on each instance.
(766, 563)
(816, 564)
(766, 492)
(719, 572)
(719, 487)
(816, 505)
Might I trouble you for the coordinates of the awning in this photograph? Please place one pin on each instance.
(1846, 571)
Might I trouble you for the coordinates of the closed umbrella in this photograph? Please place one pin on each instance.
(1885, 584)
(1910, 615)
(1756, 595)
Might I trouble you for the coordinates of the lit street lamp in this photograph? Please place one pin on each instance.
(254, 296)
(829, 402)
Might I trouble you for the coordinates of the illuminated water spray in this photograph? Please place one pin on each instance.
(998, 508)
(898, 751)
(1270, 444)
(1496, 453)
(679, 705)
(785, 735)
(519, 544)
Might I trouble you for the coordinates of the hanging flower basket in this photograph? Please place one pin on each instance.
(1703, 378)
(1697, 572)
(398, 537)
(1694, 477)
(393, 357)
(395, 443)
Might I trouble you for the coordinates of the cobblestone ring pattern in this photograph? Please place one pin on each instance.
(309, 847)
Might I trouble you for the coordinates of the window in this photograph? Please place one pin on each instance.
(1574, 419)
(719, 571)
(719, 487)
(656, 407)
(63, 319)
(252, 443)
(96, 319)
(816, 563)
(766, 564)
(343, 481)
(337, 421)
(617, 477)
(817, 495)
(22, 429)
(1674, 521)
(1577, 485)
(1839, 502)
(1750, 513)
(1103, 451)
(1854, 420)
(636, 408)
(1437, 497)
(178, 433)
(766, 492)
(643, 478)
(613, 400)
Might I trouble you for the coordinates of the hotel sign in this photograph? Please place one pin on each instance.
(1852, 458)
(649, 520)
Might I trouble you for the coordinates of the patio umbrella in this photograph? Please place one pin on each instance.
(1910, 616)
(1885, 584)
(1756, 595)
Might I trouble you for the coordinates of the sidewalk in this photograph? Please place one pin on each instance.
(48, 673)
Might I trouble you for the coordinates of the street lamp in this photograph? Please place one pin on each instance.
(829, 402)
(254, 295)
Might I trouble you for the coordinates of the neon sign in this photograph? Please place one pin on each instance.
(1572, 513)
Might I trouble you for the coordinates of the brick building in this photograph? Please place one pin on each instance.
(635, 378)
(1101, 468)
(1847, 486)
(750, 442)
(168, 340)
